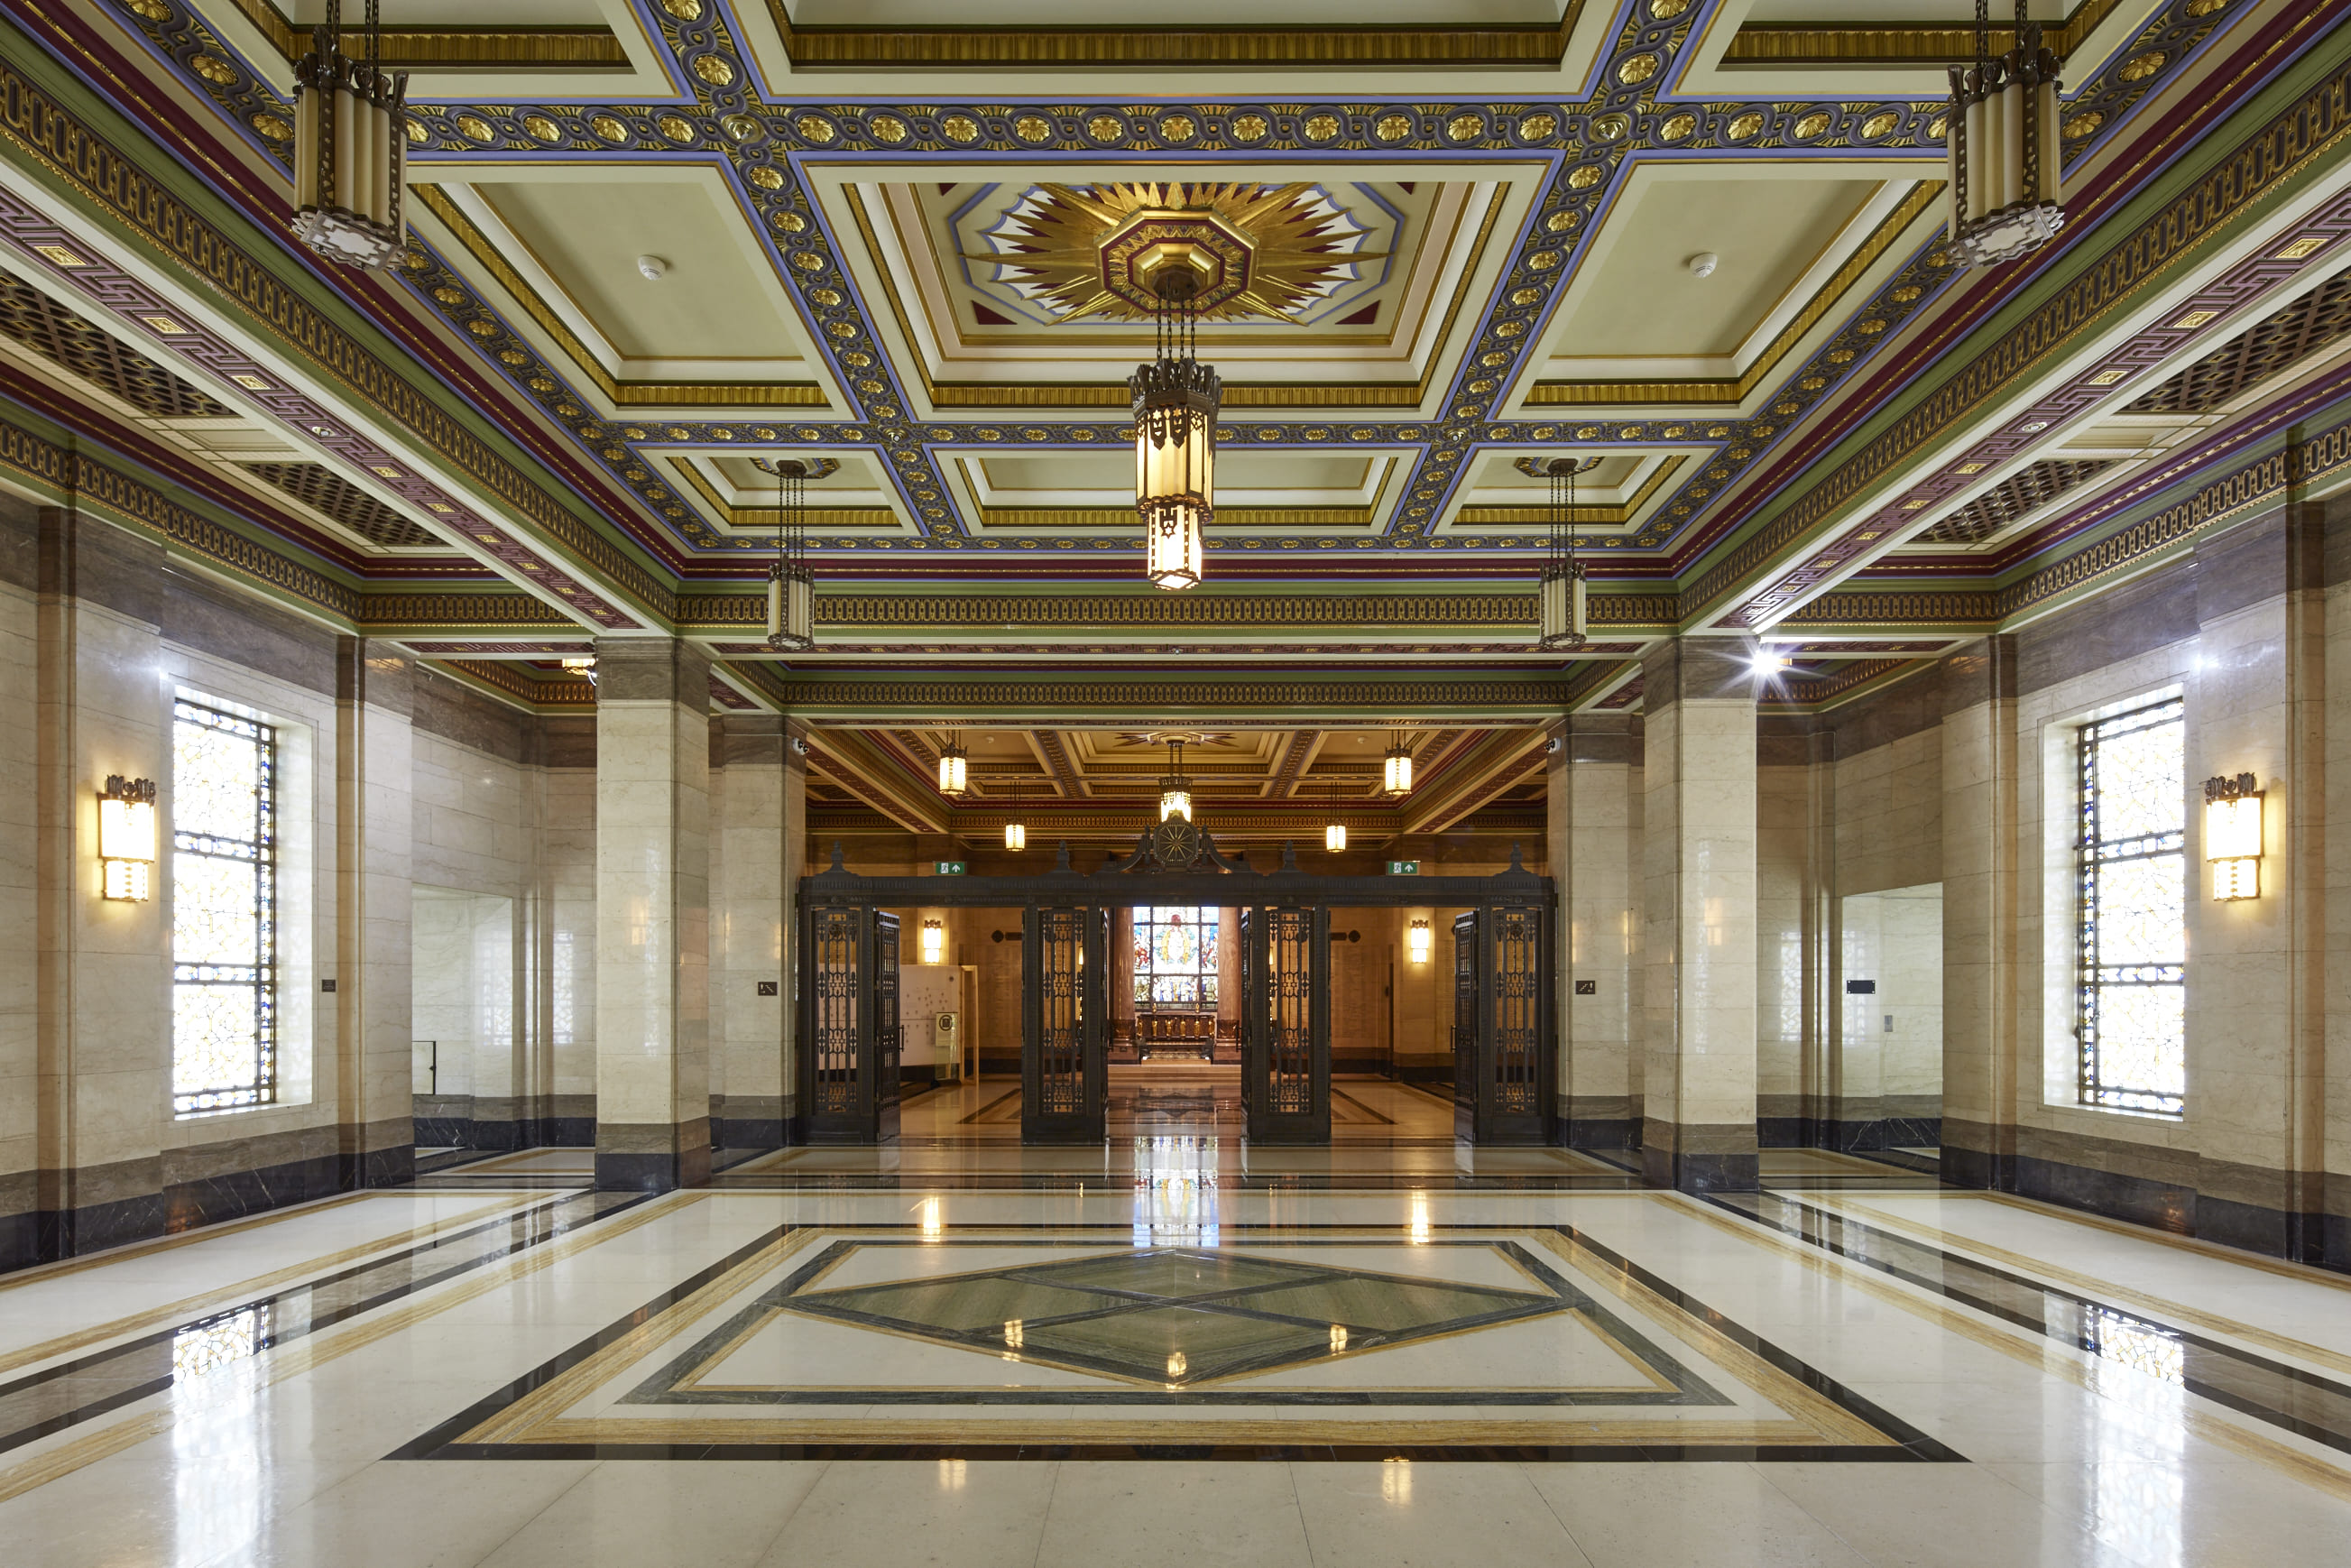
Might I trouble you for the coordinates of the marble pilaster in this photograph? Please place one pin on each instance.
(1698, 832)
(105, 1031)
(750, 875)
(374, 754)
(1592, 824)
(652, 915)
(1982, 1068)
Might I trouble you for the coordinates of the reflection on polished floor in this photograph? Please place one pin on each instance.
(1184, 1348)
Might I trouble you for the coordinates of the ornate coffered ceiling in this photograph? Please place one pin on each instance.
(874, 233)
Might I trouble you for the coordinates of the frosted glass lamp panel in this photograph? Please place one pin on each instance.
(2140, 908)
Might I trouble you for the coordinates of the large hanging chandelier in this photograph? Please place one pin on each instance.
(954, 769)
(1395, 773)
(350, 147)
(791, 585)
(2001, 144)
(1562, 602)
(1175, 400)
(1174, 789)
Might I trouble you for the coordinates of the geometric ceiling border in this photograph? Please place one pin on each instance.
(1191, 611)
(2225, 196)
(69, 479)
(1354, 702)
(39, 124)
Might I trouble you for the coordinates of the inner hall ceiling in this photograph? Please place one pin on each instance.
(513, 442)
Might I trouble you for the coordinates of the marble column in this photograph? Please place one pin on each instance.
(1592, 825)
(1698, 832)
(1980, 887)
(749, 896)
(374, 819)
(103, 1035)
(653, 914)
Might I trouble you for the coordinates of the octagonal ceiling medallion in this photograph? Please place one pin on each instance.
(1255, 251)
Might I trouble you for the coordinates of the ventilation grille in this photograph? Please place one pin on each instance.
(2318, 318)
(2025, 491)
(325, 491)
(57, 334)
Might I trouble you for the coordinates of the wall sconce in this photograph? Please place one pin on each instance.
(1416, 940)
(935, 942)
(2232, 836)
(126, 836)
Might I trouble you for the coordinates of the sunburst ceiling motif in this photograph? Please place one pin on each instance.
(1260, 251)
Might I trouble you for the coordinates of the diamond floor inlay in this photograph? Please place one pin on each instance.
(1172, 1315)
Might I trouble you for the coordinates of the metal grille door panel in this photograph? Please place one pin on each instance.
(1064, 1064)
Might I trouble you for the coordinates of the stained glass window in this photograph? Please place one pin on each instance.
(1176, 958)
(2132, 890)
(224, 909)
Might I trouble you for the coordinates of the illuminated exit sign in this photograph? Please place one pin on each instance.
(1403, 868)
(946, 868)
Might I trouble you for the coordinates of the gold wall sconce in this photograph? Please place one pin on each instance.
(2232, 836)
(126, 837)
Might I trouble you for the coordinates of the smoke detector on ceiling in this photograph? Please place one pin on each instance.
(652, 266)
(1703, 264)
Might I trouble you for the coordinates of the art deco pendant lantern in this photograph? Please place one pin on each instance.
(350, 147)
(1016, 831)
(1176, 401)
(1395, 773)
(791, 585)
(954, 769)
(2001, 143)
(1174, 789)
(1563, 604)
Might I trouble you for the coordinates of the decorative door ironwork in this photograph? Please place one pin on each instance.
(1285, 1024)
(1064, 1073)
(1504, 1044)
(849, 1031)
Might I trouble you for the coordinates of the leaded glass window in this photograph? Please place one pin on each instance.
(1176, 958)
(224, 909)
(2131, 893)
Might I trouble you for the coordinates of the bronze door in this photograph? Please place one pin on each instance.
(1286, 1025)
(1064, 1072)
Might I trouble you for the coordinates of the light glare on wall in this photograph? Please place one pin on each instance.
(1416, 940)
(126, 836)
(2232, 836)
(935, 942)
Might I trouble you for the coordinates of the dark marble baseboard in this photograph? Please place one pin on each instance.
(653, 1157)
(233, 1194)
(1360, 1066)
(1699, 1159)
(747, 1132)
(1866, 1136)
(71, 1232)
(1598, 1132)
(2176, 1205)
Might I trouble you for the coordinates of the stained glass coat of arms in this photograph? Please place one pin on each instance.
(1176, 957)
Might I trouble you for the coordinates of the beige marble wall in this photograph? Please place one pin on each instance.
(1786, 849)
(1595, 826)
(1889, 814)
(569, 846)
(749, 904)
(1981, 909)
(20, 969)
(374, 873)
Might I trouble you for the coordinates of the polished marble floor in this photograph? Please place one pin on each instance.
(1173, 1354)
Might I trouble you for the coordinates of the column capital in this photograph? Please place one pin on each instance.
(651, 669)
(1714, 669)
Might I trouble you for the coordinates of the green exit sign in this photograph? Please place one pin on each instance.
(946, 868)
(1403, 868)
